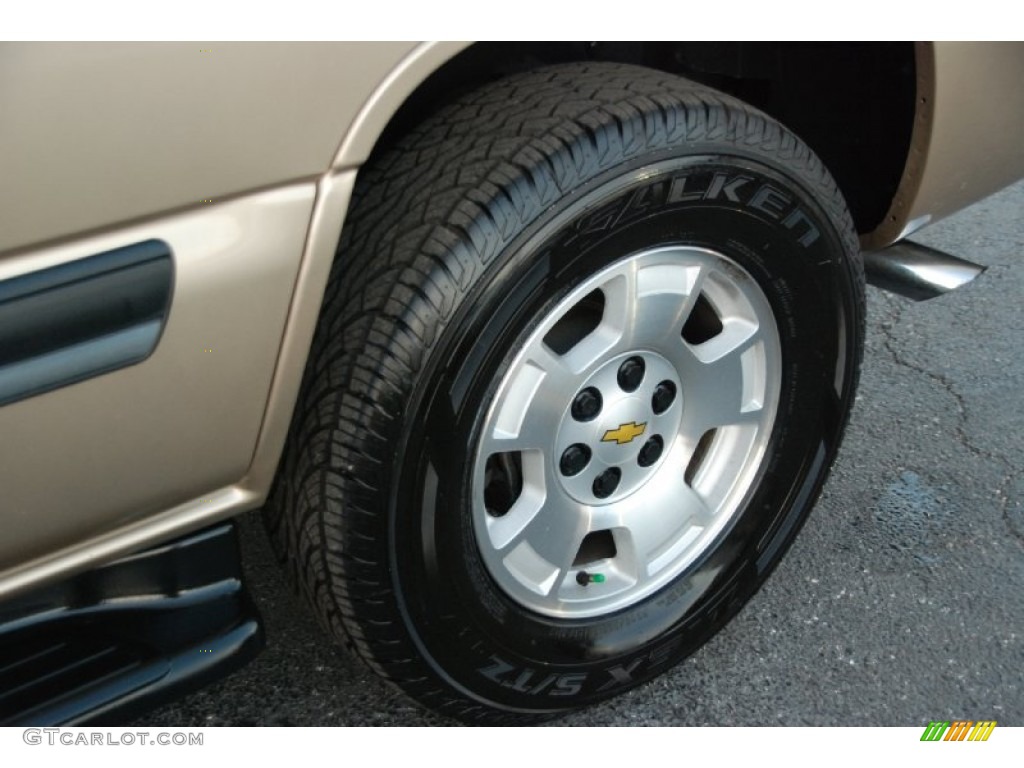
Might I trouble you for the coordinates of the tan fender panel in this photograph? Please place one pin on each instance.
(92, 134)
(967, 133)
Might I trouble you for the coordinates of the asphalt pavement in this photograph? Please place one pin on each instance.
(902, 600)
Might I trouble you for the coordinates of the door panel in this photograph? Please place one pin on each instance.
(83, 459)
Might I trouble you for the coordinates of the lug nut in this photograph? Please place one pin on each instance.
(663, 396)
(587, 404)
(606, 483)
(651, 451)
(574, 459)
(631, 373)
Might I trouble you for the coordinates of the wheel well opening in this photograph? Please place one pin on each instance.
(852, 103)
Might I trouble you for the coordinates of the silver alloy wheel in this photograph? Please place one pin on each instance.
(626, 432)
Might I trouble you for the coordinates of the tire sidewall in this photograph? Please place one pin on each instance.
(468, 631)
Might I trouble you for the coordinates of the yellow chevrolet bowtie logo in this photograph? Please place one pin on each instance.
(624, 433)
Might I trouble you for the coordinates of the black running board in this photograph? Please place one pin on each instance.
(106, 645)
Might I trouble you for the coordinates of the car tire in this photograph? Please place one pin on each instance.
(584, 360)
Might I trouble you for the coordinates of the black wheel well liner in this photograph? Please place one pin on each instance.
(852, 103)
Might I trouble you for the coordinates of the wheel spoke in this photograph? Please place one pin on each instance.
(737, 335)
(671, 515)
(649, 305)
(550, 540)
(722, 382)
(533, 401)
(558, 530)
(663, 317)
(609, 332)
(503, 529)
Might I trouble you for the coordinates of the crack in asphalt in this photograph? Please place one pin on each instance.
(896, 306)
(1004, 503)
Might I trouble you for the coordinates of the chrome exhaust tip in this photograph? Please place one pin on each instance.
(917, 271)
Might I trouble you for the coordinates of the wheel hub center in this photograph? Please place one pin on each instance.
(615, 430)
